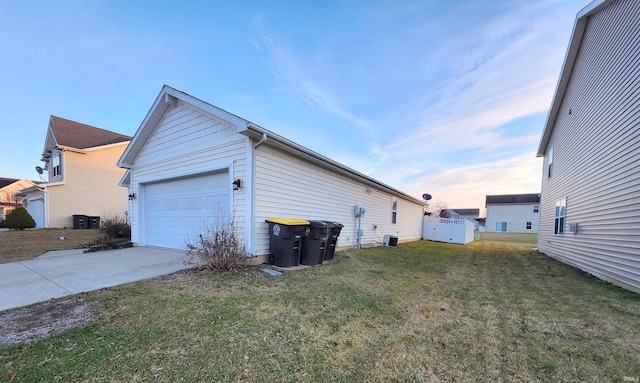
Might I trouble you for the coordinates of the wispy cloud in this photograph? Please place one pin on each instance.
(295, 76)
(467, 186)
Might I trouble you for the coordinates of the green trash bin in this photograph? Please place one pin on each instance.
(285, 240)
(315, 245)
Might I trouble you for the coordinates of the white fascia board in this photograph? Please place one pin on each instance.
(71, 149)
(167, 99)
(101, 147)
(579, 27)
(125, 181)
(256, 132)
(144, 131)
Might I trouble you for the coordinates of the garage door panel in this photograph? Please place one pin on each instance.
(175, 210)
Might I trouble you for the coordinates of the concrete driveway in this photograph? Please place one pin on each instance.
(59, 273)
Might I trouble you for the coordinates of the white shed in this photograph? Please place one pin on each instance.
(191, 163)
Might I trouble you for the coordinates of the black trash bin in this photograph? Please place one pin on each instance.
(336, 227)
(94, 222)
(80, 221)
(285, 240)
(314, 246)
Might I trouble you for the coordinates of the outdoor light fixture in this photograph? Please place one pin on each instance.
(132, 196)
(237, 184)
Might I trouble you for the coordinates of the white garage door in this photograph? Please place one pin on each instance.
(176, 210)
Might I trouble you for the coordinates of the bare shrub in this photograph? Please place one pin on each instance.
(218, 248)
(116, 227)
(116, 233)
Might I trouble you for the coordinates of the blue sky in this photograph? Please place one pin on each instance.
(441, 97)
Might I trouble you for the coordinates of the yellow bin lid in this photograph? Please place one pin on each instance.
(288, 221)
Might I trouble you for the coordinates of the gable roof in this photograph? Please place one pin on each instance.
(579, 28)
(7, 181)
(82, 136)
(168, 98)
(513, 198)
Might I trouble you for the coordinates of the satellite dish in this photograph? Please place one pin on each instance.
(426, 196)
(39, 169)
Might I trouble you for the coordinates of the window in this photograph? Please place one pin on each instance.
(56, 169)
(501, 227)
(536, 208)
(394, 211)
(550, 162)
(559, 217)
(528, 225)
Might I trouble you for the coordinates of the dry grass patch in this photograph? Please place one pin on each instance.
(424, 312)
(22, 245)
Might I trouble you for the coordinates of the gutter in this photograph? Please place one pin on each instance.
(254, 131)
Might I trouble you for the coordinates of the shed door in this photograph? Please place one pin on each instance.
(35, 207)
(175, 210)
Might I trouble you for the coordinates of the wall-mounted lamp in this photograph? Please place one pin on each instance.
(237, 184)
(132, 196)
(369, 190)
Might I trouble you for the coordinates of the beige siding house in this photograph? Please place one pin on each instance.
(80, 162)
(9, 187)
(590, 208)
(191, 163)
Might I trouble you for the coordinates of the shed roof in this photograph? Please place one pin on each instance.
(168, 98)
(579, 28)
(513, 198)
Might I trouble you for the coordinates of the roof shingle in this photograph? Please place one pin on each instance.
(82, 136)
(513, 198)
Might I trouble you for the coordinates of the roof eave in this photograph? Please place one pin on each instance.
(256, 132)
(167, 99)
(567, 69)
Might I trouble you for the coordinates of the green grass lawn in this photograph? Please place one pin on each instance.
(424, 312)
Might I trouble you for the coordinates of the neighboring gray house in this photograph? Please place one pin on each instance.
(590, 210)
(472, 214)
(191, 163)
(513, 213)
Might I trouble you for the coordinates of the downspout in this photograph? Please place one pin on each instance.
(253, 193)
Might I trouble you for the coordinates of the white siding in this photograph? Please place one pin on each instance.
(287, 186)
(515, 215)
(188, 142)
(596, 147)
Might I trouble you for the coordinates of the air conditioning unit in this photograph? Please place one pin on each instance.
(390, 241)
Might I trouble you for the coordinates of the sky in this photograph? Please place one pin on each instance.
(447, 98)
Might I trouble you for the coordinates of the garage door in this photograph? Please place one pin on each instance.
(176, 210)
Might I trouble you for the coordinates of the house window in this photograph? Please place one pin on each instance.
(550, 163)
(501, 227)
(559, 217)
(56, 169)
(536, 208)
(528, 225)
(394, 211)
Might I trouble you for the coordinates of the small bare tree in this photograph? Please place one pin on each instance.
(440, 210)
(217, 247)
